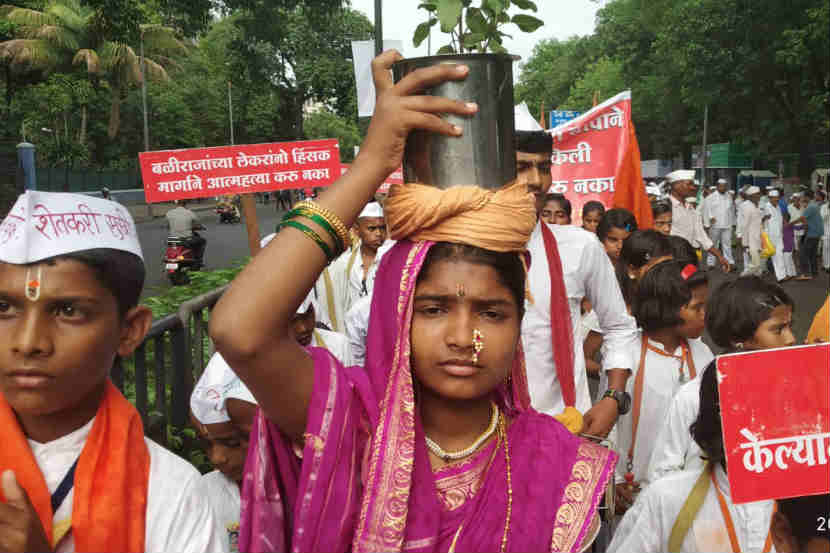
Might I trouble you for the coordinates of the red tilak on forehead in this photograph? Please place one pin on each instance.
(32, 288)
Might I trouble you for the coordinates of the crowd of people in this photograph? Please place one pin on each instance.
(418, 379)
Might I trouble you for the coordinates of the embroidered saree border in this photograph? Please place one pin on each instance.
(382, 524)
(589, 477)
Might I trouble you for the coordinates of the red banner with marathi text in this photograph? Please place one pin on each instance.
(395, 178)
(203, 172)
(596, 157)
(775, 408)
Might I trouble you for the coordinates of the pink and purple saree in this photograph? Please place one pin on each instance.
(365, 482)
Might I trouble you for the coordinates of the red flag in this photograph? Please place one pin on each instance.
(630, 192)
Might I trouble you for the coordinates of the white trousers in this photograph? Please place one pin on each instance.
(789, 264)
(754, 266)
(825, 250)
(722, 239)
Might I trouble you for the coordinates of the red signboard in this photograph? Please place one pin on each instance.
(202, 172)
(395, 178)
(775, 408)
(587, 152)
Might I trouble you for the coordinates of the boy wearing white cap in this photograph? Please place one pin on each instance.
(356, 269)
(78, 473)
(222, 409)
(687, 223)
(751, 230)
(307, 334)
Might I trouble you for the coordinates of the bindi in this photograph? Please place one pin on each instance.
(33, 283)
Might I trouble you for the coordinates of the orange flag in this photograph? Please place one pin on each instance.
(630, 193)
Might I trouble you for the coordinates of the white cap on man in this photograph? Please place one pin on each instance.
(722, 181)
(752, 190)
(773, 193)
(680, 175)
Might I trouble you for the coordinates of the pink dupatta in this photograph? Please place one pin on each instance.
(365, 482)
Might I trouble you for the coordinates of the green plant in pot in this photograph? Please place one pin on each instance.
(475, 28)
(484, 155)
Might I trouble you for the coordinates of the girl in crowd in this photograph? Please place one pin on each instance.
(749, 312)
(557, 209)
(662, 212)
(669, 305)
(613, 228)
(643, 250)
(431, 446)
(746, 314)
(592, 212)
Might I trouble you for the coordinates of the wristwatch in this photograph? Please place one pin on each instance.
(623, 400)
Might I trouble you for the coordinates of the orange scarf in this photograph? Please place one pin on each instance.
(110, 490)
(499, 220)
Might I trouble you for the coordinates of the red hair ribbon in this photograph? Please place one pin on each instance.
(688, 271)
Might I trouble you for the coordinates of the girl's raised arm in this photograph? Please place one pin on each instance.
(251, 323)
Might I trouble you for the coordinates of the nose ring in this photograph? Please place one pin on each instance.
(478, 344)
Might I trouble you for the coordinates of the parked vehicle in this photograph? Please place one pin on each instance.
(180, 258)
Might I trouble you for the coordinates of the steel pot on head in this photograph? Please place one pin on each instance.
(485, 154)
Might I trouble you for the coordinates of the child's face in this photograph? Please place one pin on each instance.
(614, 241)
(775, 332)
(694, 313)
(56, 352)
(591, 221)
(226, 446)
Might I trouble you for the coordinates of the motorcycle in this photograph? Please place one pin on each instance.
(228, 214)
(180, 258)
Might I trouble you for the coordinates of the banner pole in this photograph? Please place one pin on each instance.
(251, 223)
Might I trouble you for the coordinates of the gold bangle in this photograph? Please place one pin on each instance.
(335, 221)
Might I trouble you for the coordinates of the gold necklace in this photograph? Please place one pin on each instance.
(467, 451)
(502, 436)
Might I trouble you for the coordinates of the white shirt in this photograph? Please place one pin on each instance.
(355, 280)
(224, 497)
(661, 382)
(674, 448)
(688, 224)
(795, 214)
(647, 525)
(751, 226)
(357, 328)
(719, 206)
(329, 290)
(336, 343)
(773, 224)
(178, 517)
(587, 273)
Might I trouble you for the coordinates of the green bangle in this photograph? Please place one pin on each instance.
(320, 220)
(311, 234)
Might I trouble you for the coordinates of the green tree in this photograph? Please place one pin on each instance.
(603, 78)
(548, 75)
(67, 33)
(326, 124)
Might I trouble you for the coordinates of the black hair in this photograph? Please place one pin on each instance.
(682, 250)
(706, 429)
(662, 292)
(643, 246)
(533, 142)
(561, 199)
(593, 205)
(660, 206)
(803, 514)
(616, 218)
(737, 308)
(119, 271)
(508, 265)
(808, 193)
(624, 281)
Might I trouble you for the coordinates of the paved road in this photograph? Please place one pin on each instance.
(225, 243)
(228, 243)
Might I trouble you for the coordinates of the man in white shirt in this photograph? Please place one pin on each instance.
(587, 273)
(751, 230)
(774, 227)
(718, 218)
(686, 222)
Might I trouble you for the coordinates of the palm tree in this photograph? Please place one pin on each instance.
(62, 36)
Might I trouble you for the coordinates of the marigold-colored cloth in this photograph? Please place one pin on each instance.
(820, 328)
(499, 220)
(629, 192)
(111, 479)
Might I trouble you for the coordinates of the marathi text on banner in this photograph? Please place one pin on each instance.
(204, 172)
(588, 151)
(775, 415)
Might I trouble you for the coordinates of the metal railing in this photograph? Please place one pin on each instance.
(162, 371)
